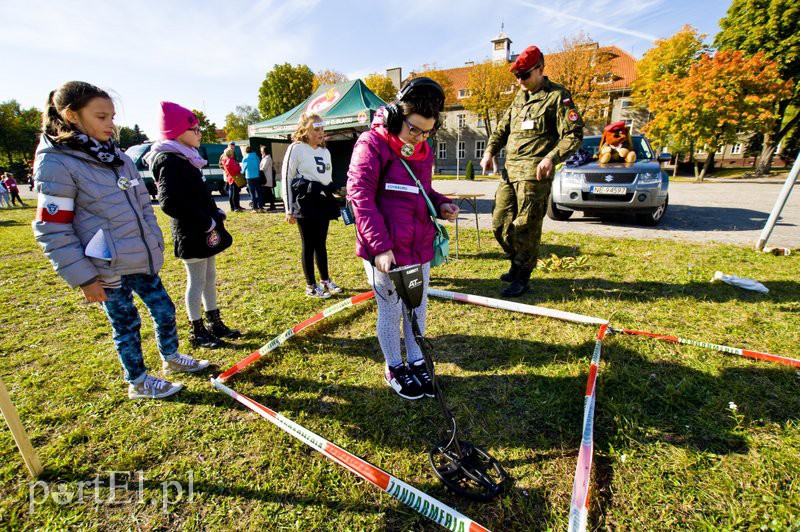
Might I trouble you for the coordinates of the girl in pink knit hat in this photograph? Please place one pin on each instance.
(198, 231)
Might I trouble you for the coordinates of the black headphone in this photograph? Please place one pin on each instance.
(418, 87)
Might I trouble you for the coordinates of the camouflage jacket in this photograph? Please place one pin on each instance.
(535, 126)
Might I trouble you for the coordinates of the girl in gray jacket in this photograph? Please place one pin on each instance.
(96, 225)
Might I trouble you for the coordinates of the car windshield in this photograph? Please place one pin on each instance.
(136, 153)
(640, 146)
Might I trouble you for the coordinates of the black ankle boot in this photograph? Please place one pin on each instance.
(519, 285)
(511, 274)
(217, 327)
(200, 337)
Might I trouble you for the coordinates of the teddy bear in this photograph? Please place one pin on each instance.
(616, 145)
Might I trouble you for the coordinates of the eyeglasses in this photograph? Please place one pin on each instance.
(415, 131)
(526, 75)
(195, 129)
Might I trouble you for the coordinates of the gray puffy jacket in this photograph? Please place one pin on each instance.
(125, 216)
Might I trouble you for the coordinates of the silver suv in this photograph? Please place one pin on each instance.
(641, 188)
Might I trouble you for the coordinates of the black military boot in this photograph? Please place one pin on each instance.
(199, 336)
(217, 327)
(519, 285)
(511, 274)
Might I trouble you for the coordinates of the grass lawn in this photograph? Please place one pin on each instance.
(670, 452)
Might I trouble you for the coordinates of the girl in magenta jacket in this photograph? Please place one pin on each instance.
(393, 224)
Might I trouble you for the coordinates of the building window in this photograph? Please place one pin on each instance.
(462, 120)
(481, 122)
(736, 149)
(464, 93)
(499, 45)
(625, 103)
(444, 121)
(720, 150)
(442, 150)
(480, 146)
(462, 149)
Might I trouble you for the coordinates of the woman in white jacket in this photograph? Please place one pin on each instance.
(308, 200)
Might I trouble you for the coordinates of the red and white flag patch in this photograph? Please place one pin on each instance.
(55, 209)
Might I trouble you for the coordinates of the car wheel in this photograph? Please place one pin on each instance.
(654, 217)
(554, 213)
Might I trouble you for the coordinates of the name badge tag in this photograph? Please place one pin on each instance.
(527, 124)
(402, 188)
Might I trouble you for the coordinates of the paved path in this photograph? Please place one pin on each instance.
(730, 211)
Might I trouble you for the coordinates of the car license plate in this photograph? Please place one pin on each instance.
(619, 191)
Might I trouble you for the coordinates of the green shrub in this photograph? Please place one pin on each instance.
(470, 171)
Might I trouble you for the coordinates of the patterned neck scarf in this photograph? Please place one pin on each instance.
(106, 152)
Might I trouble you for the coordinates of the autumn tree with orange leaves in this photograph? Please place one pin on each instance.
(720, 94)
(584, 68)
(327, 77)
(491, 87)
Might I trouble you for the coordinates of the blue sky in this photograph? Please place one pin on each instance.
(213, 55)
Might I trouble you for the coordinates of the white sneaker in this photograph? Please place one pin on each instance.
(153, 388)
(331, 287)
(183, 364)
(317, 291)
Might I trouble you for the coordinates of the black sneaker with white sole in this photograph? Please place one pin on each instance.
(399, 379)
(420, 373)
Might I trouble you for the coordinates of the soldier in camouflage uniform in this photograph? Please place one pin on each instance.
(540, 129)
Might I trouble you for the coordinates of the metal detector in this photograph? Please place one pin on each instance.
(463, 467)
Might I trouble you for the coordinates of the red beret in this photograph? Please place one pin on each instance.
(528, 59)
(616, 126)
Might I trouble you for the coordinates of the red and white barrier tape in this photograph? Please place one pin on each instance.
(421, 502)
(723, 348)
(288, 333)
(515, 307)
(579, 506)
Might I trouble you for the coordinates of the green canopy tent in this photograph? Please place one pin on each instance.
(346, 108)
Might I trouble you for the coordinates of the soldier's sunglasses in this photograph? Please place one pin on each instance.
(526, 75)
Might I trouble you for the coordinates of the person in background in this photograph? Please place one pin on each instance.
(394, 227)
(250, 170)
(13, 189)
(309, 202)
(95, 224)
(269, 176)
(540, 129)
(4, 197)
(230, 169)
(198, 231)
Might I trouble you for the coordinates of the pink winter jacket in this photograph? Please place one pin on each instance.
(389, 214)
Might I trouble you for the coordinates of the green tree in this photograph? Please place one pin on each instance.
(284, 87)
(470, 173)
(19, 132)
(208, 128)
(720, 95)
(771, 27)
(382, 86)
(128, 137)
(236, 122)
(327, 77)
(491, 88)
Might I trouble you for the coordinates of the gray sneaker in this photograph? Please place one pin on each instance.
(183, 364)
(331, 287)
(317, 292)
(153, 388)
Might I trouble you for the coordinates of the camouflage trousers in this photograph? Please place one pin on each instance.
(519, 209)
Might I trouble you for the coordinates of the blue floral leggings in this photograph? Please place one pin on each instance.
(126, 323)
